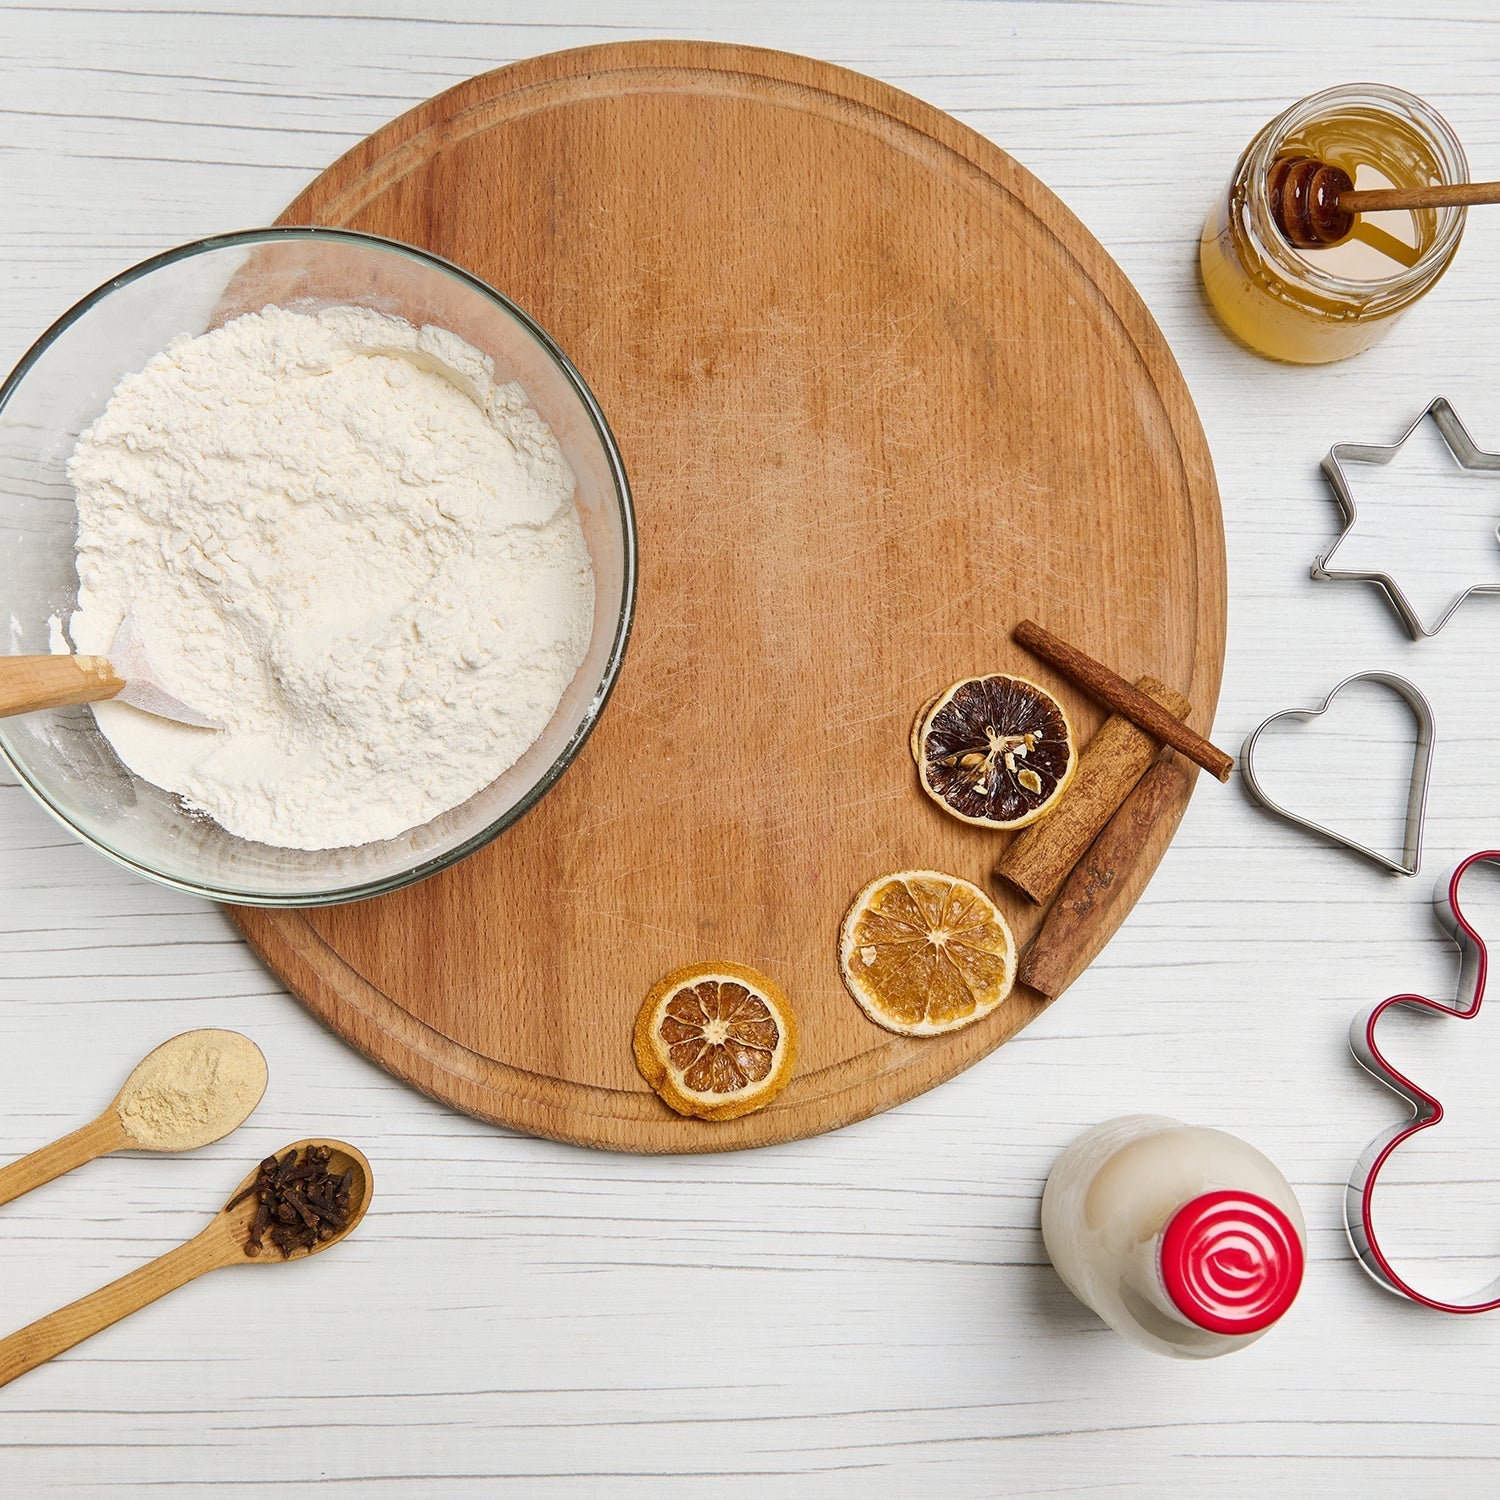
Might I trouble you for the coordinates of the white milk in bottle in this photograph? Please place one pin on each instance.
(1185, 1240)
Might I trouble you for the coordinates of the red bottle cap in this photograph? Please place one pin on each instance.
(1231, 1262)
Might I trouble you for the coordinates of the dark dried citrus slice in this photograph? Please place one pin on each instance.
(997, 751)
(716, 1040)
(917, 725)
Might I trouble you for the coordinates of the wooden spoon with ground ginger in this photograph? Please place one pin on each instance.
(190, 1092)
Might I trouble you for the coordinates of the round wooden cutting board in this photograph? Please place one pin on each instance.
(880, 396)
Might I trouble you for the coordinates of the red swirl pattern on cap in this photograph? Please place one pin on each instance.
(1231, 1262)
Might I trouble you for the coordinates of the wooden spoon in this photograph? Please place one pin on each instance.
(222, 1243)
(195, 1056)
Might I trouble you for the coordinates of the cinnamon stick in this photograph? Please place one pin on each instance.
(1039, 858)
(1075, 929)
(1110, 688)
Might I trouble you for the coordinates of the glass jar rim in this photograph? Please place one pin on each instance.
(1255, 168)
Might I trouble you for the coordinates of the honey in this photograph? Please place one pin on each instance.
(1313, 306)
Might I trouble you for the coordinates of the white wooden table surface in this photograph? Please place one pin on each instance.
(871, 1313)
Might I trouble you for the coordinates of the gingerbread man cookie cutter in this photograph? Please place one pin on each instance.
(1427, 1111)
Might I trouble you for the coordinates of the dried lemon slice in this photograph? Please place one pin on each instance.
(997, 751)
(716, 1040)
(924, 952)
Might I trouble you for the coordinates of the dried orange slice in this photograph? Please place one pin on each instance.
(716, 1040)
(924, 952)
(997, 751)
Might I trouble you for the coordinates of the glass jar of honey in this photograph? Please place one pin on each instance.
(1313, 306)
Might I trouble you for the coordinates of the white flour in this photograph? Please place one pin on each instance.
(342, 540)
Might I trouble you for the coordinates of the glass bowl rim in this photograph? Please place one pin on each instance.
(362, 890)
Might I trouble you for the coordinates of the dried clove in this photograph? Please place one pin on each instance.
(299, 1204)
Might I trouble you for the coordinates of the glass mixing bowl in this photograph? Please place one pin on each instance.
(64, 382)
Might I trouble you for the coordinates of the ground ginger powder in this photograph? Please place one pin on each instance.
(192, 1090)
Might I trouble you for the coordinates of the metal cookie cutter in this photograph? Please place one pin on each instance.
(1421, 771)
(1426, 1110)
(1466, 453)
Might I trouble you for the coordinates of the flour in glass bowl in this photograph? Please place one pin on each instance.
(343, 541)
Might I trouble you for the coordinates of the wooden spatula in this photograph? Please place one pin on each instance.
(28, 683)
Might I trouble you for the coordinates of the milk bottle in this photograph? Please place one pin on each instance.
(1185, 1240)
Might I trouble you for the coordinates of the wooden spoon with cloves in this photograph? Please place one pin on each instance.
(338, 1174)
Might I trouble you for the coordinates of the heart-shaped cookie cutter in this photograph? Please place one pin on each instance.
(1426, 1110)
(1421, 772)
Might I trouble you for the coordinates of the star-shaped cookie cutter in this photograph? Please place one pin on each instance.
(1467, 454)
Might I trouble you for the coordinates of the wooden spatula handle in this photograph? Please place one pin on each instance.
(40, 1341)
(97, 1138)
(28, 683)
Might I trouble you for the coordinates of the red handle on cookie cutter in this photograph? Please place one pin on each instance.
(1426, 1110)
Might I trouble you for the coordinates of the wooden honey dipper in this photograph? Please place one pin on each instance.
(1315, 204)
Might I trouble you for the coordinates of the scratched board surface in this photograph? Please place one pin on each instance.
(879, 396)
